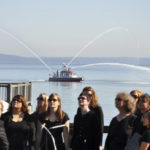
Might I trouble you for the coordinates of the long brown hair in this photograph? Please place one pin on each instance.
(23, 101)
(94, 97)
(59, 113)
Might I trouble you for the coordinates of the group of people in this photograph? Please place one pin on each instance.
(48, 128)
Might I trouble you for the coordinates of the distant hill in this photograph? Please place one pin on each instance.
(12, 59)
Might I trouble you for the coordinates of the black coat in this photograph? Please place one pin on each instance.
(86, 132)
(3, 138)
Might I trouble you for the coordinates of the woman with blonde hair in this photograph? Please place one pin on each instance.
(56, 121)
(136, 94)
(42, 106)
(121, 126)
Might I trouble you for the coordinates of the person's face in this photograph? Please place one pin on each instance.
(144, 104)
(145, 120)
(135, 96)
(41, 102)
(119, 102)
(17, 103)
(54, 102)
(83, 101)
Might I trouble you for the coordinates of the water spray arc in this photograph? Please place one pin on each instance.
(25, 46)
(115, 64)
(93, 40)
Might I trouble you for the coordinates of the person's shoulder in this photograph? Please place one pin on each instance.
(34, 116)
(114, 119)
(97, 109)
(5, 116)
(132, 118)
(66, 117)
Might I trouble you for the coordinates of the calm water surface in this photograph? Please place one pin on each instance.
(106, 80)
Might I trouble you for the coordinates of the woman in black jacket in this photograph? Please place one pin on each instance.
(97, 109)
(86, 126)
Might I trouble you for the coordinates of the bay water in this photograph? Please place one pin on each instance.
(106, 80)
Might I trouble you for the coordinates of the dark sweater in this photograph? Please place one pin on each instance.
(100, 117)
(86, 132)
(20, 134)
(119, 133)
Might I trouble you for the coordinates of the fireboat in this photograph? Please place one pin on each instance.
(66, 75)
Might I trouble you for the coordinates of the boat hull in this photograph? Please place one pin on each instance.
(66, 79)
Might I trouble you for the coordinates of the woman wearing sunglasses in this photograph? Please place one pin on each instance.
(121, 126)
(136, 94)
(19, 129)
(86, 126)
(56, 122)
(42, 106)
(97, 109)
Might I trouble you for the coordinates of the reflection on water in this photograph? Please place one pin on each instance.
(65, 84)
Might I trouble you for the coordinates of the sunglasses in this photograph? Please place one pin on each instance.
(143, 101)
(40, 99)
(18, 100)
(90, 95)
(118, 99)
(135, 96)
(53, 99)
(82, 98)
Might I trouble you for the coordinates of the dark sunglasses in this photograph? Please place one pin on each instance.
(135, 96)
(143, 101)
(82, 98)
(118, 99)
(53, 99)
(18, 100)
(40, 99)
(90, 95)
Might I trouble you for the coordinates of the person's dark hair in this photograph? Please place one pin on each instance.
(60, 113)
(23, 101)
(129, 102)
(94, 97)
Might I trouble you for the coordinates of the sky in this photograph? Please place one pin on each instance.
(69, 28)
